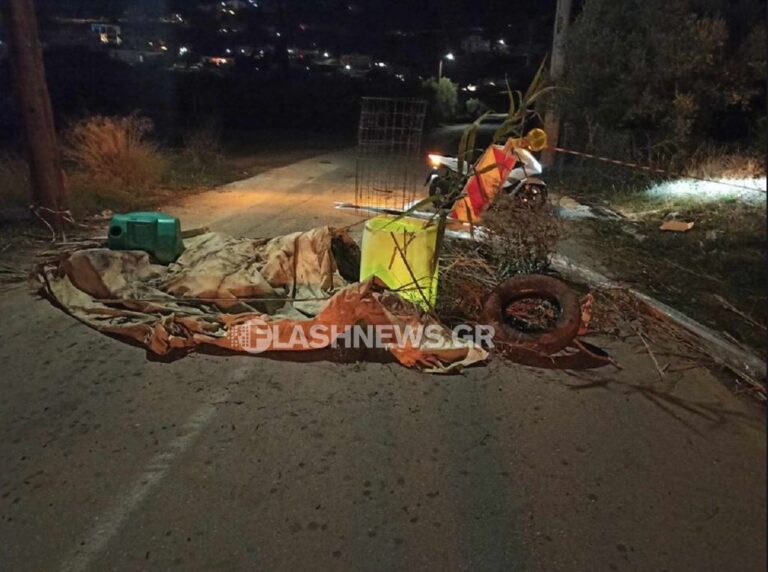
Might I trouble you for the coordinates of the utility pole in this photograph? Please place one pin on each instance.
(34, 106)
(556, 69)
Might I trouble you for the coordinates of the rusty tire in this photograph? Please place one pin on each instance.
(534, 286)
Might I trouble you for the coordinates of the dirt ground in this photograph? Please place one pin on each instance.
(114, 460)
(715, 272)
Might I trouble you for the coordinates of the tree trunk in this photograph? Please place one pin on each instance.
(556, 69)
(34, 106)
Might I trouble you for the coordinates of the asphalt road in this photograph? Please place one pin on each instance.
(111, 461)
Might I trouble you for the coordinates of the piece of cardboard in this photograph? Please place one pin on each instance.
(676, 226)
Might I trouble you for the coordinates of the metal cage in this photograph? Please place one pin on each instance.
(389, 168)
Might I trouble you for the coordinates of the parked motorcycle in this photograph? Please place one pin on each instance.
(522, 181)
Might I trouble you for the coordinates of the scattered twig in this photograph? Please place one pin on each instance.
(728, 306)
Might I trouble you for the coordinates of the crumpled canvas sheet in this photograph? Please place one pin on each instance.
(220, 283)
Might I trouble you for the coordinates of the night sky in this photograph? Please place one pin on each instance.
(377, 14)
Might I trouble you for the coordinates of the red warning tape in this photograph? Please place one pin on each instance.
(651, 169)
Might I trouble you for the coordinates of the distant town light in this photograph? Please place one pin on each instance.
(228, 51)
(471, 87)
(164, 48)
(450, 56)
(347, 67)
(381, 64)
(183, 50)
(502, 42)
(326, 55)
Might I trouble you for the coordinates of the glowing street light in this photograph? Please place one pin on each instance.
(450, 57)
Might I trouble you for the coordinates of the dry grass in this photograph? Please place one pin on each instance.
(716, 163)
(114, 154)
(202, 147)
(466, 277)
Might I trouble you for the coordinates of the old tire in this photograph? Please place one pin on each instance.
(548, 342)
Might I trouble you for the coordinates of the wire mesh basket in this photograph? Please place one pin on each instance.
(389, 168)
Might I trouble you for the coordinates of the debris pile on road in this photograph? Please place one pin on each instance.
(221, 288)
(262, 295)
(538, 319)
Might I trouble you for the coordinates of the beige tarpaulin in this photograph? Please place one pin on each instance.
(221, 286)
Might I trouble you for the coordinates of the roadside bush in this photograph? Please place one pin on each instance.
(114, 154)
(202, 149)
(475, 107)
(444, 97)
(670, 74)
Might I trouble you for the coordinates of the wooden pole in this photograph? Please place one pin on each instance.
(34, 106)
(556, 69)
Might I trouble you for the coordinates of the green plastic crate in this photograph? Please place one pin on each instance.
(156, 233)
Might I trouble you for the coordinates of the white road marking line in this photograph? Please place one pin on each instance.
(108, 524)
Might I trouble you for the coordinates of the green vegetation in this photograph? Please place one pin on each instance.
(658, 78)
(443, 94)
(680, 86)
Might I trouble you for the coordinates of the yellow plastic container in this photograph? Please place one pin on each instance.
(388, 244)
